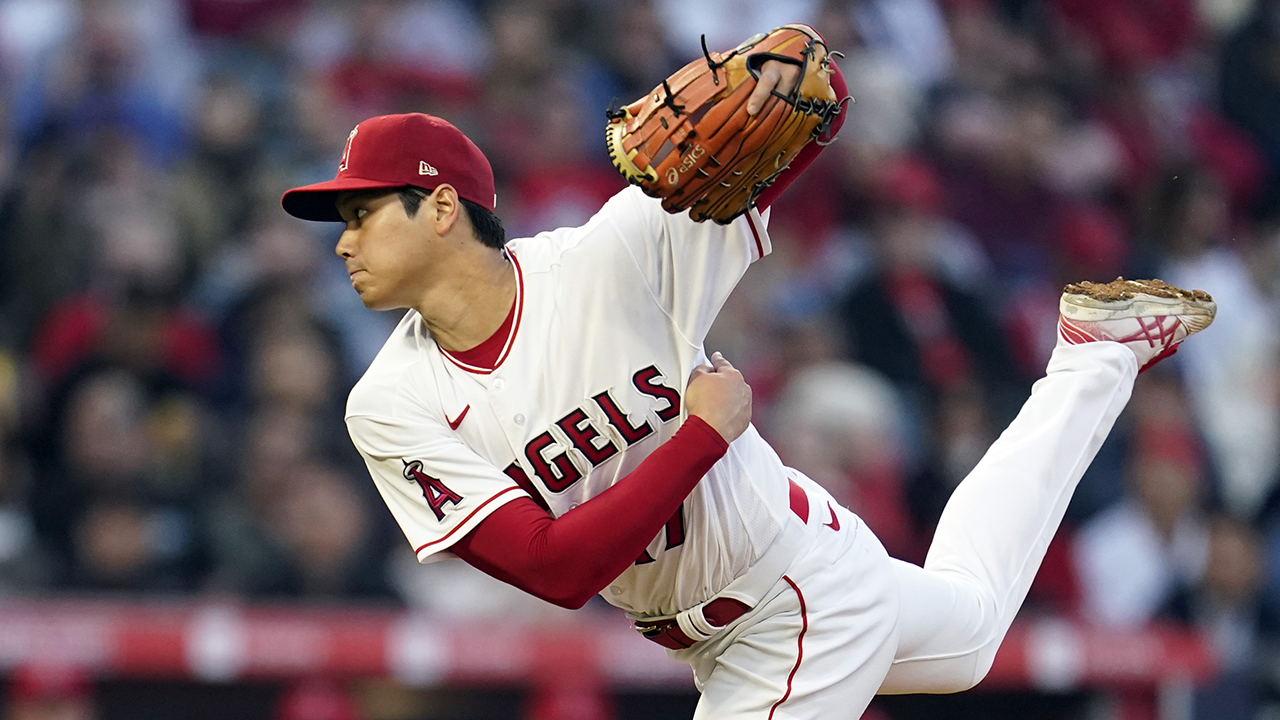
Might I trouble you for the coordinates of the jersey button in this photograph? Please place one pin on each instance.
(519, 419)
(499, 384)
(615, 589)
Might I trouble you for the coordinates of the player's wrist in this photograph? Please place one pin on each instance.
(700, 427)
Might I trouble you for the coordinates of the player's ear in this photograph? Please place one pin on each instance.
(445, 208)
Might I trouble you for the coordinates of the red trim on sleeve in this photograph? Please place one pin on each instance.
(457, 527)
(756, 234)
(568, 559)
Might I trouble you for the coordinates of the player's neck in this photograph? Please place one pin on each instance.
(472, 304)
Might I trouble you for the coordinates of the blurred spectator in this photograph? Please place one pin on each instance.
(275, 442)
(136, 323)
(994, 176)
(524, 56)
(558, 181)
(117, 500)
(48, 247)
(1230, 381)
(911, 34)
(990, 53)
(1136, 555)
(442, 42)
(1250, 89)
(269, 326)
(294, 371)
(118, 269)
(1226, 606)
(216, 187)
(115, 548)
(394, 56)
(111, 65)
(635, 52)
(327, 530)
(273, 255)
(24, 562)
(46, 692)
(295, 525)
(236, 18)
(956, 436)
(727, 22)
(922, 315)
(1132, 35)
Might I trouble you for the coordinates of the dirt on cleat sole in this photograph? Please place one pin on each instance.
(1121, 289)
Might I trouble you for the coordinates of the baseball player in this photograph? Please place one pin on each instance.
(547, 412)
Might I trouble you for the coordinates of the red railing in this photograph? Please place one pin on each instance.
(226, 642)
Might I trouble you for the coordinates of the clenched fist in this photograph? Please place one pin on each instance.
(719, 395)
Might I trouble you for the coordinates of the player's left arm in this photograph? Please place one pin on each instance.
(567, 560)
(784, 77)
(692, 267)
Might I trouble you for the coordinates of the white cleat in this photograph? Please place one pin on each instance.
(1150, 317)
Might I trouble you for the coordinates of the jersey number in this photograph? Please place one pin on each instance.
(675, 536)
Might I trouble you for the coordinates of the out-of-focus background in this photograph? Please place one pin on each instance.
(185, 531)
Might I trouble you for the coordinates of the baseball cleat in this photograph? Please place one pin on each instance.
(1150, 317)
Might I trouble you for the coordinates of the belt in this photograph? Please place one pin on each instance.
(667, 633)
(721, 611)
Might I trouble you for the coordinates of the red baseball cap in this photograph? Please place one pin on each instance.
(393, 151)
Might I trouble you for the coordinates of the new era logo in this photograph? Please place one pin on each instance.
(425, 169)
(346, 151)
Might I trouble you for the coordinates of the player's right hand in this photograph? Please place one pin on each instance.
(774, 75)
(719, 395)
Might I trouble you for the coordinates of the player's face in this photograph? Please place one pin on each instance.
(386, 251)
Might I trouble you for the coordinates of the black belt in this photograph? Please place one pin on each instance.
(667, 633)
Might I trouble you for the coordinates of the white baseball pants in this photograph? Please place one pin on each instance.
(847, 621)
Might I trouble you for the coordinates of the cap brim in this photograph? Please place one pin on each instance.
(320, 201)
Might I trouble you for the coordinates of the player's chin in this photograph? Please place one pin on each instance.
(374, 301)
(370, 298)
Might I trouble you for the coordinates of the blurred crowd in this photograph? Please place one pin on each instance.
(175, 351)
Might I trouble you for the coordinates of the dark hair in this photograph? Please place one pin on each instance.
(488, 228)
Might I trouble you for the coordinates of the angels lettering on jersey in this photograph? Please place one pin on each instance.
(557, 471)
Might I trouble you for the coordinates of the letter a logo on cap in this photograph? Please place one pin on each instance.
(346, 152)
(425, 169)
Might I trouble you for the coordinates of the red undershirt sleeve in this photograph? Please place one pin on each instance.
(810, 151)
(568, 559)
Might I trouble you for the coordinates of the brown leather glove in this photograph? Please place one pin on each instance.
(691, 141)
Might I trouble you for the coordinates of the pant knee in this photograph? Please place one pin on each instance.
(982, 665)
(941, 675)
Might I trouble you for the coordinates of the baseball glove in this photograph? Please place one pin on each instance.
(691, 141)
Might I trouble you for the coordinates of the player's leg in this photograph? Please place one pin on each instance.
(819, 645)
(997, 525)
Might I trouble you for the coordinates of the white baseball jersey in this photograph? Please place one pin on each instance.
(609, 322)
